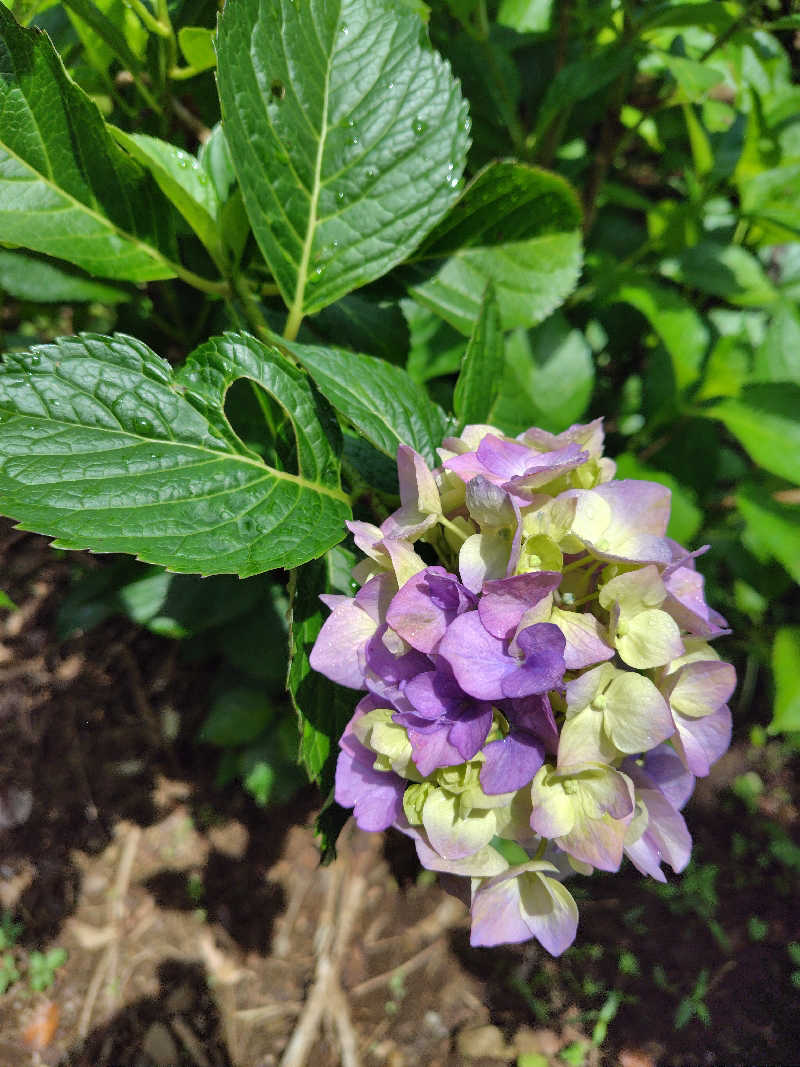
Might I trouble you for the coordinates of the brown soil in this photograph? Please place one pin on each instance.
(200, 928)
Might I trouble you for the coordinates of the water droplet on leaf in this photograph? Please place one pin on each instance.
(142, 425)
(419, 127)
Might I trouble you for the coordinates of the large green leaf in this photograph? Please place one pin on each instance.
(103, 447)
(66, 188)
(349, 138)
(482, 367)
(27, 277)
(382, 401)
(766, 419)
(774, 526)
(516, 226)
(548, 378)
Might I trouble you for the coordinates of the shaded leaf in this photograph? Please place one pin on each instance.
(776, 526)
(482, 367)
(380, 400)
(26, 277)
(766, 420)
(516, 226)
(548, 378)
(777, 358)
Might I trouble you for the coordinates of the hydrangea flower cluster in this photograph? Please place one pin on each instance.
(540, 690)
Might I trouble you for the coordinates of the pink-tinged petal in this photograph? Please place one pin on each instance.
(587, 639)
(701, 742)
(553, 813)
(598, 842)
(687, 605)
(582, 690)
(607, 792)
(588, 435)
(550, 912)
(664, 768)
(637, 718)
(376, 796)
(425, 606)
(701, 687)
(477, 659)
(375, 596)
(634, 520)
(367, 537)
(544, 469)
(497, 915)
(505, 600)
(405, 561)
(432, 749)
(339, 650)
(666, 838)
(504, 458)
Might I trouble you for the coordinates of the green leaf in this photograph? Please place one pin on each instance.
(6, 603)
(680, 328)
(548, 378)
(786, 672)
(26, 277)
(482, 367)
(237, 716)
(197, 45)
(349, 138)
(323, 708)
(104, 448)
(382, 401)
(775, 526)
(778, 356)
(766, 420)
(728, 271)
(182, 179)
(694, 79)
(525, 16)
(516, 226)
(66, 189)
(771, 195)
(108, 28)
(685, 518)
(582, 78)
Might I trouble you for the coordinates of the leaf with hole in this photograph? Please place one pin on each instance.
(104, 447)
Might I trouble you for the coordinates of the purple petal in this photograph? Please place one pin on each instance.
(543, 667)
(511, 763)
(469, 732)
(432, 749)
(535, 715)
(422, 610)
(506, 600)
(701, 742)
(663, 767)
(339, 649)
(478, 660)
(504, 458)
(687, 605)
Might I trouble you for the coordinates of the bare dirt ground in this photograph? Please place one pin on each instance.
(201, 930)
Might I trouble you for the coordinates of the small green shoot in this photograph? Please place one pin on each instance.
(42, 967)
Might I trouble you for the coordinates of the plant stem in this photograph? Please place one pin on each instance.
(147, 17)
(252, 312)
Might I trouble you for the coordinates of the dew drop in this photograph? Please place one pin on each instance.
(142, 425)
(354, 140)
(344, 29)
(277, 90)
(419, 127)
(371, 172)
(183, 162)
(390, 87)
(340, 196)
(35, 359)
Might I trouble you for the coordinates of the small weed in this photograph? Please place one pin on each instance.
(757, 929)
(42, 967)
(574, 1054)
(628, 963)
(694, 1006)
(9, 931)
(8, 972)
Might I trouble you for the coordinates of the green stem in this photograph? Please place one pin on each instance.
(451, 526)
(182, 73)
(205, 285)
(252, 311)
(540, 851)
(151, 22)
